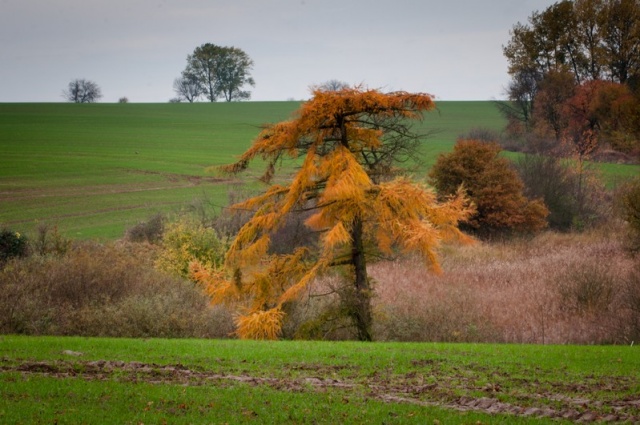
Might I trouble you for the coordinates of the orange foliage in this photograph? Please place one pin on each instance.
(332, 131)
(493, 186)
(260, 324)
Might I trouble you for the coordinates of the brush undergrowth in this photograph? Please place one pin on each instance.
(550, 289)
(103, 290)
(553, 288)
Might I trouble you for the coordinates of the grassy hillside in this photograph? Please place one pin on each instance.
(96, 169)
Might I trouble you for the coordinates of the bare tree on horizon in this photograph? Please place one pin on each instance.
(82, 91)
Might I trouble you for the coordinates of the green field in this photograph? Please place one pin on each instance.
(100, 380)
(94, 170)
(97, 169)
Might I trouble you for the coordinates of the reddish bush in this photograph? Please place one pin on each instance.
(492, 185)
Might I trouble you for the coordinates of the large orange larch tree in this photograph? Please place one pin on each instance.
(347, 142)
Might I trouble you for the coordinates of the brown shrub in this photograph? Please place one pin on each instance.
(576, 200)
(229, 220)
(410, 309)
(492, 185)
(631, 299)
(541, 290)
(628, 208)
(147, 231)
(586, 288)
(98, 290)
(482, 134)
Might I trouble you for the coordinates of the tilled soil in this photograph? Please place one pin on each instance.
(396, 389)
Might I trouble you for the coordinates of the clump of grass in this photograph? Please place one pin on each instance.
(412, 305)
(586, 288)
(147, 231)
(631, 298)
(628, 208)
(103, 290)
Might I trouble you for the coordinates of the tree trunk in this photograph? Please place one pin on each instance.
(361, 301)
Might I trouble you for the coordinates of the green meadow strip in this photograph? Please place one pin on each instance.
(186, 381)
(72, 401)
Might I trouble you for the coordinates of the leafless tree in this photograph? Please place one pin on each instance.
(331, 85)
(187, 87)
(521, 93)
(82, 91)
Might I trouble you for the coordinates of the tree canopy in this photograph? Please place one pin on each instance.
(218, 71)
(571, 48)
(337, 136)
(493, 186)
(82, 91)
(592, 39)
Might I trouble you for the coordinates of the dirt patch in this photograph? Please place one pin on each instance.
(310, 377)
(166, 181)
(190, 178)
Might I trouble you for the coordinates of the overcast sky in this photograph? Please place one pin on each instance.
(135, 48)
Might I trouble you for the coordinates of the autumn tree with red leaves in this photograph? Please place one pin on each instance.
(577, 54)
(346, 141)
(602, 113)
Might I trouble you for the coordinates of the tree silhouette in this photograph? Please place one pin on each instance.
(336, 136)
(188, 87)
(220, 71)
(82, 91)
